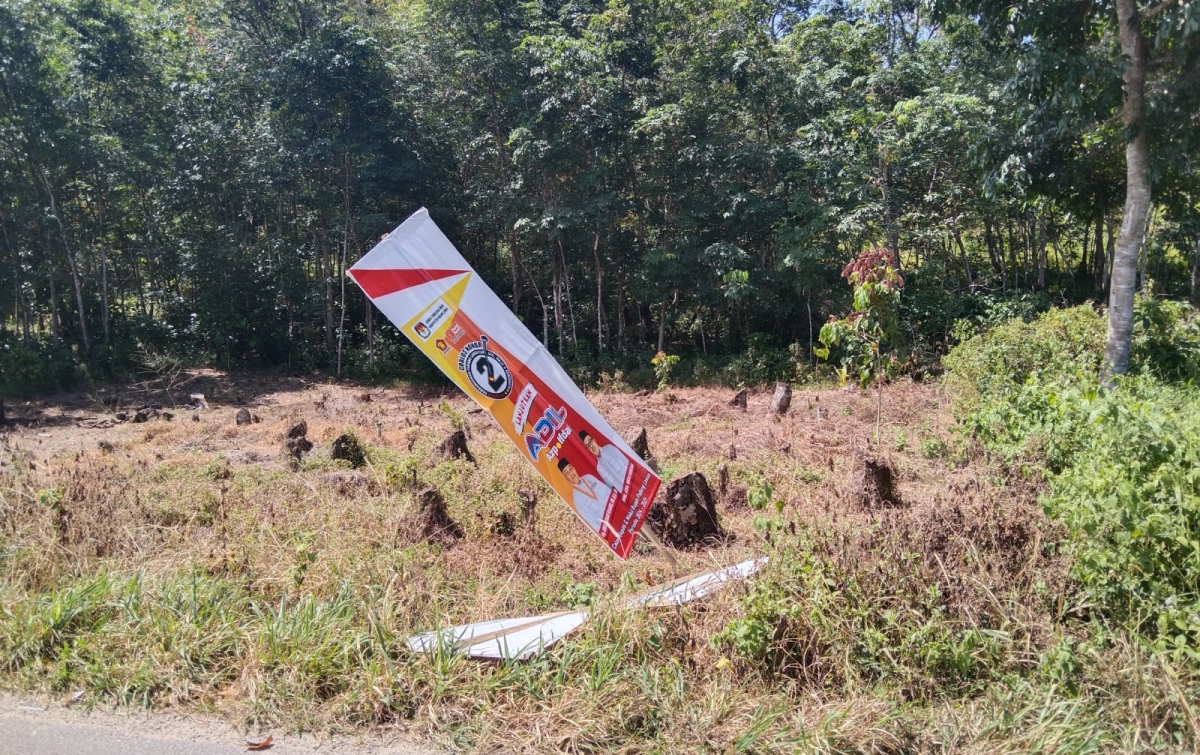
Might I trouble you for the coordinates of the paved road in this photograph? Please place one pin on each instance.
(26, 728)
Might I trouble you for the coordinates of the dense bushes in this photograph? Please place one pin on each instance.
(1122, 466)
(898, 601)
(1069, 343)
(36, 367)
(1060, 342)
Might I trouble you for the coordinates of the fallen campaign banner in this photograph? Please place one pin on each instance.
(424, 286)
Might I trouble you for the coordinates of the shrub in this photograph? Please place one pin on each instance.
(1130, 496)
(1166, 339)
(1069, 344)
(1122, 466)
(1060, 342)
(37, 367)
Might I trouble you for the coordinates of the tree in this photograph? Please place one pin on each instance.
(1147, 52)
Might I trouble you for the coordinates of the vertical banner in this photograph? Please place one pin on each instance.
(424, 286)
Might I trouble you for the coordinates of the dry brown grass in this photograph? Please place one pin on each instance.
(178, 500)
(162, 493)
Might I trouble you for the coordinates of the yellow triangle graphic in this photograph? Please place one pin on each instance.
(452, 298)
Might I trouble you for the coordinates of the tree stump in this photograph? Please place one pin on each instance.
(529, 501)
(433, 522)
(347, 448)
(871, 482)
(641, 445)
(731, 496)
(739, 400)
(243, 416)
(782, 399)
(297, 447)
(454, 447)
(686, 514)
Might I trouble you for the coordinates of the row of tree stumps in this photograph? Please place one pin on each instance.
(683, 516)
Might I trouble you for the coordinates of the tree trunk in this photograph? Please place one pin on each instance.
(566, 277)
(1137, 195)
(601, 323)
(369, 319)
(620, 316)
(514, 266)
(965, 258)
(1144, 254)
(348, 237)
(892, 229)
(85, 340)
(662, 326)
(1110, 253)
(341, 328)
(990, 239)
(811, 354)
(104, 294)
(327, 272)
(556, 288)
(1013, 259)
(55, 323)
(1041, 253)
(1098, 261)
(1195, 267)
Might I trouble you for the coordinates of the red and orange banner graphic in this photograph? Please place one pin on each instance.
(424, 286)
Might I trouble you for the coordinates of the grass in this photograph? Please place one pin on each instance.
(194, 566)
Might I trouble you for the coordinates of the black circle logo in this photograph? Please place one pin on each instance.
(487, 371)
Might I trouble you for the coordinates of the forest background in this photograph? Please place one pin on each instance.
(186, 181)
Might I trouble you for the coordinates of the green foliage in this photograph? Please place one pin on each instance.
(1166, 338)
(862, 336)
(37, 367)
(663, 365)
(402, 474)
(205, 173)
(1122, 466)
(457, 419)
(1124, 476)
(760, 364)
(854, 626)
(1062, 342)
(933, 448)
(759, 494)
(305, 554)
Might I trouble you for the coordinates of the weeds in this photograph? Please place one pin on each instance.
(279, 596)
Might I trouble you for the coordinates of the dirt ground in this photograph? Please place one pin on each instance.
(822, 426)
(196, 495)
(802, 458)
(157, 491)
